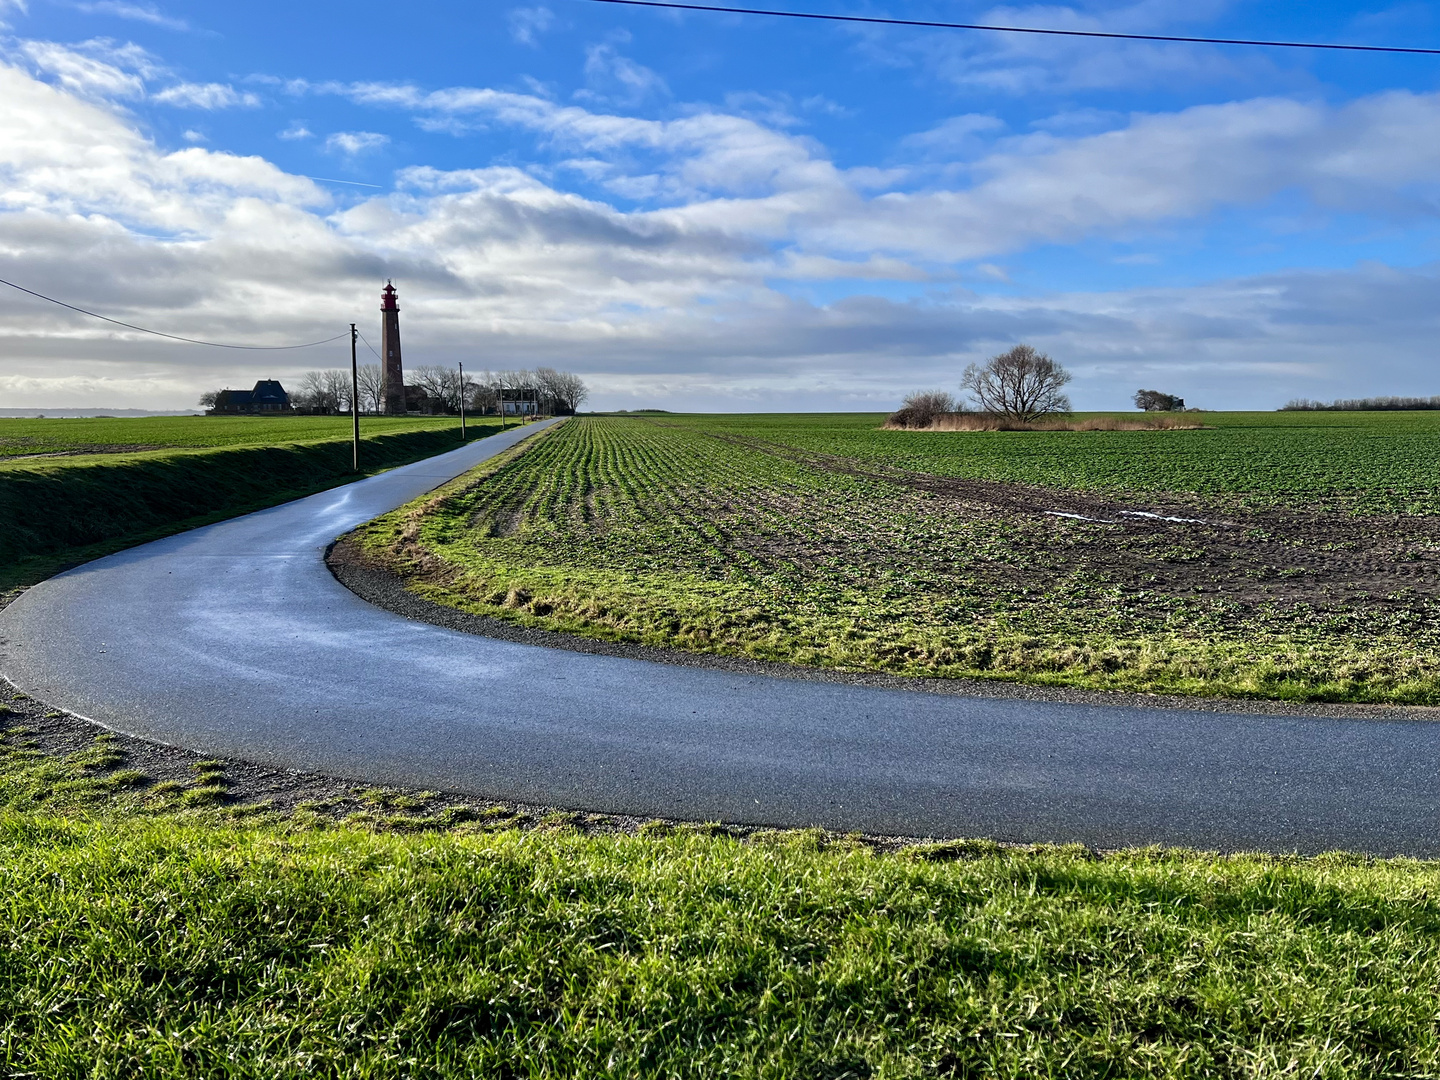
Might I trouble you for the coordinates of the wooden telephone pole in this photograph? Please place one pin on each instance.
(462, 402)
(354, 401)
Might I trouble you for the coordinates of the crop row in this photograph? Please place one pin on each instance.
(701, 535)
(1365, 462)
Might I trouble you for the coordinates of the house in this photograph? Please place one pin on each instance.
(267, 398)
(519, 401)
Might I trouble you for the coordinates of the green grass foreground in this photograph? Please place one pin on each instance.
(824, 541)
(143, 936)
(125, 481)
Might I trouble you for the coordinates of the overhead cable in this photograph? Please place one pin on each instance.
(172, 337)
(934, 24)
(368, 345)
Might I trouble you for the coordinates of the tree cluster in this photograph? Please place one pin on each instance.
(1370, 404)
(1155, 401)
(1020, 384)
(558, 393)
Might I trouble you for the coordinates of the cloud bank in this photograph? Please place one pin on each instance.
(712, 258)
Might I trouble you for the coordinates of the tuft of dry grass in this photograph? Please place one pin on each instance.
(992, 422)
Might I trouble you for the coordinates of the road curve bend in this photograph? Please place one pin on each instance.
(235, 640)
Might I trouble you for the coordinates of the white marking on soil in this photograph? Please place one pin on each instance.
(1079, 517)
(1162, 517)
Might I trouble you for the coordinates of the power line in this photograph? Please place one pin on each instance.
(369, 346)
(172, 337)
(877, 20)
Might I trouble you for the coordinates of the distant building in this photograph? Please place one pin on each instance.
(419, 400)
(392, 373)
(519, 401)
(267, 398)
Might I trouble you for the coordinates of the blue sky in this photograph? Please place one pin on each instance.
(723, 212)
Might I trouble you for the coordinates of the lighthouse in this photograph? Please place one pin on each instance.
(392, 392)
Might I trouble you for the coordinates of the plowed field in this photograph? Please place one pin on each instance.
(1182, 561)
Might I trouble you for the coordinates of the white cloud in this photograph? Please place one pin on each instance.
(684, 298)
(617, 78)
(191, 135)
(94, 69)
(147, 13)
(205, 96)
(352, 143)
(527, 24)
(956, 136)
(1025, 64)
(296, 131)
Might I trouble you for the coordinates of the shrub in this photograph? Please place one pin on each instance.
(921, 408)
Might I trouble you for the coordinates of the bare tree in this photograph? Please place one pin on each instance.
(372, 386)
(922, 407)
(1021, 384)
(481, 393)
(436, 381)
(323, 391)
(207, 399)
(562, 391)
(314, 393)
(337, 389)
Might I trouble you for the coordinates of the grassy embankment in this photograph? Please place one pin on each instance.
(72, 490)
(155, 930)
(1311, 574)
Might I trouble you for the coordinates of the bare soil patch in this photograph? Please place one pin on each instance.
(1181, 546)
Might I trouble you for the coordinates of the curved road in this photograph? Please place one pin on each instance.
(236, 640)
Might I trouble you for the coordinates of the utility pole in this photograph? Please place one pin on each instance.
(354, 401)
(462, 402)
(500, 400)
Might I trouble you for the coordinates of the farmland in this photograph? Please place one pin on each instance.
(27, 439)
(72, 490)
(1265, 555)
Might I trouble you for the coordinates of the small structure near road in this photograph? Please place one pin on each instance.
(268, 398)
(519, 401)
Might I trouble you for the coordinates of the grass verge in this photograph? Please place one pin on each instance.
(60, 512)
(148, 930)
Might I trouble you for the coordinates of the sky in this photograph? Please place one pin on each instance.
(711, 212)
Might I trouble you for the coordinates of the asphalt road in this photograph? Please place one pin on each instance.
(236, 640)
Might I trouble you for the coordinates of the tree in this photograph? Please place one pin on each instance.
(1155, 401)
(1021, 384)
(337, 389)
(482, 395)
(207, 399)
(922, 407)
(562, 392)
(372, 385)
(441, 383)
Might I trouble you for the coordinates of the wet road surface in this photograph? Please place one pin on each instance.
(235, 640)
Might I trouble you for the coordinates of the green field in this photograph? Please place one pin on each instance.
(73, 490)
(157, 930)
(1300, 562)
(1378, 462)
(27, 438)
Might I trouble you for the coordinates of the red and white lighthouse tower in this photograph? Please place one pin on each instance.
(392, 385)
